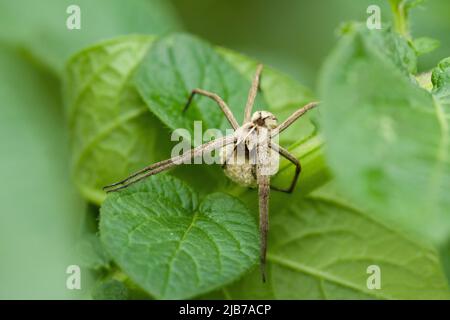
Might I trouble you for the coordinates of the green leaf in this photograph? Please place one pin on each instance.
(320, 247)
(110, 289)
(425, 45)
(42, 27)
(315, 171)
(390, 46)
(179, 63)
(172, 245)
(441, 84)
(40, 211)
(175, 66)
(91, 253)
(117, 286)
(112, 131)
(387, 139)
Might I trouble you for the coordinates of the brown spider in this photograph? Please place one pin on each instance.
(248, 156)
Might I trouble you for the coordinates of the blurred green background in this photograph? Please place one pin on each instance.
(41, 214)
(297, 35)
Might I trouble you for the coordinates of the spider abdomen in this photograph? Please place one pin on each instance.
(242, 174)
(237, 164)
(241, 165)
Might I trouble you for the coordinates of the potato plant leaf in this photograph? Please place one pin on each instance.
(320, 247)
(183, 62)
(425, 45)
(110, 289)
(175, 66)
(387, 138)
(112, 131)
(440, 78)
(174, 245)
(91, 253)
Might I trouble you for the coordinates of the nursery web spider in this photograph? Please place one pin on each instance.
(247, 156)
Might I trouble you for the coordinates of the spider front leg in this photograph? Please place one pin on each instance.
(298, 168)
(293, 117)
(223, 106)
(169, 163)
(252, 93)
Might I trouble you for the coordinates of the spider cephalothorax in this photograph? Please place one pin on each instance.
(264, 119)
(249, 156)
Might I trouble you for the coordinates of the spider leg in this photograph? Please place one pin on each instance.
(259, 85)
(139, 178)
(252, 93)
(263, 172)
(143, 170)
(293, 117)
(298, 168)
(239, 141)
(228, 156)
(263, 194)
(223, 106)
(169, 163)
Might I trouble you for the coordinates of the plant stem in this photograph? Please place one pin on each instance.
(401, 23)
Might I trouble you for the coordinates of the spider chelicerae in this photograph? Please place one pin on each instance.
(249, 155)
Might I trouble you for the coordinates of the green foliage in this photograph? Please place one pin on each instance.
(112, 133)
(92, 254)
(321, 247)
(175, 66)
(173, 245)
(167, 70)
(441, 83)
(111, 289)
(387, 137)
(400, 9)
(282, 95)
(381, 135)
(41, 28)
(99, 90)
(388, 45)
(425, 45)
